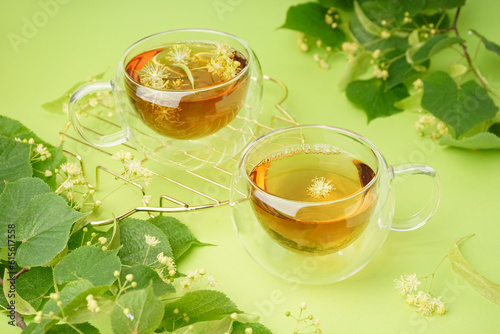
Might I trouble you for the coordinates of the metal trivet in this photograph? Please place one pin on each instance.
(212, 184)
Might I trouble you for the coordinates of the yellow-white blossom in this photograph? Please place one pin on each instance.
(151, 240)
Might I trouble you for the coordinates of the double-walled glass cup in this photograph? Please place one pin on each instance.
(324, 226)
(193, 127)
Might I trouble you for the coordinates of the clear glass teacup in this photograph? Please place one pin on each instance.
(320, 198)
(188, 98)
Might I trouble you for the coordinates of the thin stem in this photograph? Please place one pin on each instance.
(76, 329)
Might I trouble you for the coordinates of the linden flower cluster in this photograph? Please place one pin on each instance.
(323, 54)
(305, 324)
(39, 152)
(194, 278)
(222, 64)
(133, 168)
(428, 124)
(168, 265)
(426, 304)
(75, 185)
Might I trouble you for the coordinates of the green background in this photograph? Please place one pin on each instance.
(82, 38)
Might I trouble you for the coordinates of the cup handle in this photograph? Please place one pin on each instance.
(421, 217)
(93, 138)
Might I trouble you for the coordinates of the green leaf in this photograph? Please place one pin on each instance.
(239, 328)
(495, 129)
(463, 268)
(14, 161)
(56, 106)
(179, 235)
(143, 276)
(374, 98)
(114, 241)
(146, 313)
(411, 103)
(67, 329)
(222, 326)
(201, 305)
(44, 225)
(487, 43)
(309, 18)
(346, 5)
(84, 314)
(134, 250)
(368, 25)
(443, 4)
(374, 42)
(399, 72)
(15, 129)
(480, 141)
(15, 199)
(434, 45)
(10, 293)
(90, 263)
(354, 69)
(397, 8)
(460, 108)
(34, 284)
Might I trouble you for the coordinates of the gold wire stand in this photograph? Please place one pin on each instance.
(179, 206)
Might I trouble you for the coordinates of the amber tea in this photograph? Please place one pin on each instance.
(311, 200)
(188, 90)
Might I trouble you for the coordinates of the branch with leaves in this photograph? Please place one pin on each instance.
(399, 40)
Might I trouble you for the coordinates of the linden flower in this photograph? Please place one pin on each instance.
(222, 50)
(122, 156)
(380, 74)
(151, 241)
(71, 168)
(179, 54)
(212, 281)
(92, 304)
(153, 75)
(320, 187)
(146, 199)
(406, 283)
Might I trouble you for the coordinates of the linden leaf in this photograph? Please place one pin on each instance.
(346, 5)
(34, 284)
(487, 43)
(239, 328)
(15, 129)
(480, 141)
(143, 276)
(401, 71)
(45, 225)
(411, 103)
(374, 97)
(201, 305)
(56, 106)
(134, 250)
(222, 326)
(462, 267)
(309, 18)
(146, 313)
(89, 263)
(80, 328)
(10, 293)
(374, 42)
(443, 4)
(15, 199)
(180, 237)
(355, 68)
(434, 45)
(14, 161)
(398, 8)
(365, 21)
(461, 108)
(495, 128)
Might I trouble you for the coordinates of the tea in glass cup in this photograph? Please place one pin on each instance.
(319, 201)
(324, 181)
(216, 72)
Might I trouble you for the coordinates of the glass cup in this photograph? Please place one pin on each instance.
(318, 198)
(196, 126)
